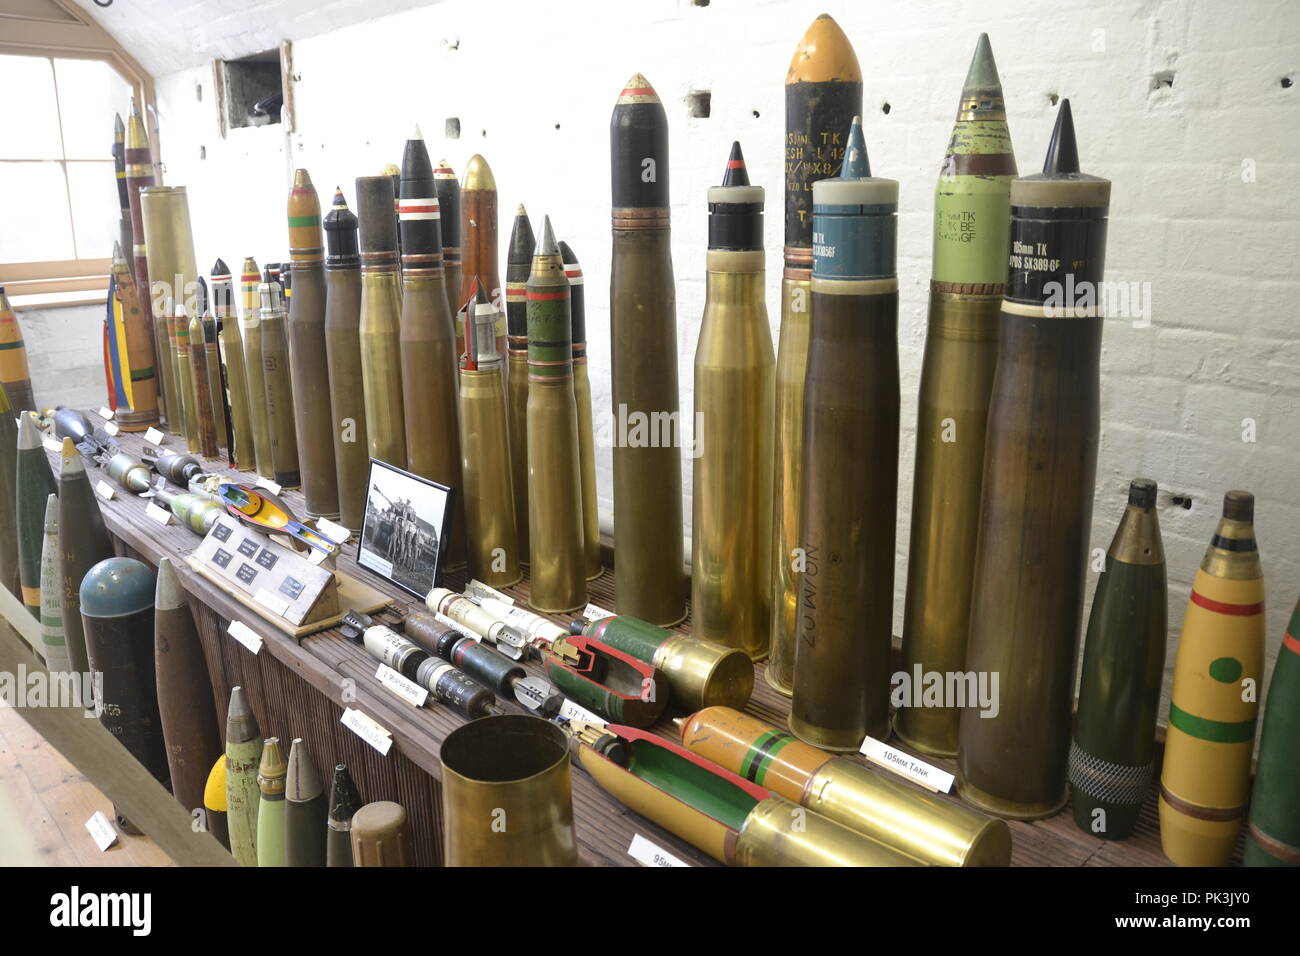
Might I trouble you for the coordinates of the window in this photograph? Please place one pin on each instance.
(56, 172)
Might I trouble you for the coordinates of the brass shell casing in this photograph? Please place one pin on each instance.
(778, 833)
(278, 386)
(956, 381)
(587, 470)
(309, 368)
(731, 531)
(702, 673)
(429, 385)
(381, 366)
(649, 575)
(347, 392)
(791, 369)
(169, 240)
(557, 568)
(517, 409)
(920, 825)
(242, 457)
(510, 769)
(485, 465)
(188, 397)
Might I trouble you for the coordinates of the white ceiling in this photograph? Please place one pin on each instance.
(169, 35)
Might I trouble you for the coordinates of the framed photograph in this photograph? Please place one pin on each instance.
(402, 533)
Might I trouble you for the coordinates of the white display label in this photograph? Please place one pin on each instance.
(276, 605)
(101, 831)
(335, 532)
(245, 635)
(573, 711)
(52, 444)
(104, 490)
(905, 765)
(269, 485)
(408, 690)
(593, 612)
(111, 428)
(153, 436)
(648, 854)
(161, 515)
(367, 729)
(105, 413)
(486, 590)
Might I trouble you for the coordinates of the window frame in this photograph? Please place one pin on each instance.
(81, 281)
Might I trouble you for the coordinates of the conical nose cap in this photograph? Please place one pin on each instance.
(857, 165)
(219, 268)
(303, 781)
(983, 72)
(546, 245)
(736, 173)
(345, 801)
(1063, 150)
(169, 594)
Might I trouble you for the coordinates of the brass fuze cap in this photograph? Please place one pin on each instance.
(380, 836)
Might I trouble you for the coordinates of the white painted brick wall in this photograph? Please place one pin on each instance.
(1220, 254)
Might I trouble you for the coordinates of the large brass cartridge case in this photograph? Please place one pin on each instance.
(582, 395)
(971, 207)
(380, 329)
(203, 394)
(251, 326)
(558, 570)
(308, 362)
(343, 353)
(923, 826)
(506, 794)
(165, 218)
(231, 347)
(731, 530)
(186, 381)
(493, 540)
(139, 172)
(517, 412)
(823, 92)
(1040, 464)
(850, 491)
(649, 580)
(217, 391)
(775, 833)
(278, 386)
(429, 387)
(137, 323)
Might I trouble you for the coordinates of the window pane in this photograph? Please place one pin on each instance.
(90, 92)
(36, 207)
(95, 210)
(28, 113)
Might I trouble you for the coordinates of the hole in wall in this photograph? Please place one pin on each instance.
(557, 125)
(451, 127)
(698, 103)
(699, 3)
(755, 114)
(1053, 98)
(484, 133)
(1287, 82)
(252, 91)
(1162, 80)
(198, 92)
(1182, 501)
(203, 152)
(885, 108)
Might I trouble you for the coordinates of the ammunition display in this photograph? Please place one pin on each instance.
(243, 756)
(189, 723)
(823, 92)
(380, 328)
(1040, 465)
(251, 325)
(277, 383)
(731, 529)
(519, 264)
(582, 396)
(514, 768)
(54, 645)
(556, 566)
(490, 515)
(1113, 751)
(850, 448)
(1205, 774)
(33, 484)
(971, 222)
(343, 352)
(1273, 836)
(922, 826)
(345, 801)
(240, 448)
(649, 582)
(308, 363)
(428, 344)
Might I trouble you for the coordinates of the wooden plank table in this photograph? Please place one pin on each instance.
(300, 690)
